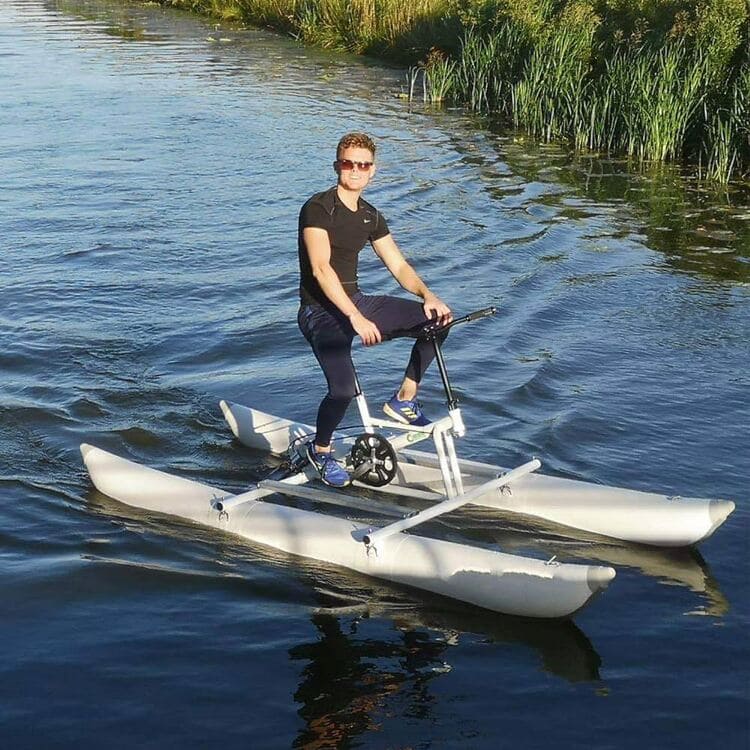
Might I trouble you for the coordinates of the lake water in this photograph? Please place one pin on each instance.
(153, 166)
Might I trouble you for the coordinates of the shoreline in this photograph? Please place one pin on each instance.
(671, 88)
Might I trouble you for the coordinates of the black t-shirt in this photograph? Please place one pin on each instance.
(348, 232)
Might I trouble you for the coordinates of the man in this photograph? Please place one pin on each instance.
(333, 227)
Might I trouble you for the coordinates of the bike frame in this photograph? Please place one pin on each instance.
(443, 431)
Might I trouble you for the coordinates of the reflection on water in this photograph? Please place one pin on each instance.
(562, 647)
(681, 567)
(698, 231)
(349, 678)
(347, 681)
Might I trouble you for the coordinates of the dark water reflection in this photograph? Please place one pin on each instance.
(699, 229)
(153, 167)
(349, 679)
(680, 567)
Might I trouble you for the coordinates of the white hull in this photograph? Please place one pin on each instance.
(500, 582)
(630, 515)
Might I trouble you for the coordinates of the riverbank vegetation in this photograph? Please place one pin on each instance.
(656, 80)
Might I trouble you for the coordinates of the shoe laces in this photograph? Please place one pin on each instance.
(324, 459)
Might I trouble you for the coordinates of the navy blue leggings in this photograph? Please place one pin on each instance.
(330, 334)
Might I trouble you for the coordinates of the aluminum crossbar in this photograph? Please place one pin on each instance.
(372, 539)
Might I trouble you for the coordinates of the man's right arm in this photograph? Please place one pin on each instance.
(318, 247)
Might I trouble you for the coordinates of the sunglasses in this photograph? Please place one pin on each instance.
(347, 164)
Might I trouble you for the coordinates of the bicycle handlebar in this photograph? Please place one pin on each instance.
(432, 329)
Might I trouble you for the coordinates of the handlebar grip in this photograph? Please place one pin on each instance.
(432, 329)
(484, 313)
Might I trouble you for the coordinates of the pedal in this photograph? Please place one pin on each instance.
(291, 465)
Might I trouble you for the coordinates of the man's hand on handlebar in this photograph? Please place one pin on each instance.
(436, 309)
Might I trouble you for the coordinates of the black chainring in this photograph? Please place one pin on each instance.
(378, 454)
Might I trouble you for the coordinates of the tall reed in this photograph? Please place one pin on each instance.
(439, 72)
(487, 66)
(547, 99)
(727, 139)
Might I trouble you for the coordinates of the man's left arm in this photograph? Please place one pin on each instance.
(388, 251)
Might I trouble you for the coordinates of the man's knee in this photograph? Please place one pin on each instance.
(343, 393)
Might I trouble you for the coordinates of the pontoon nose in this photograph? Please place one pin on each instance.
(598, 577)
(718, 511)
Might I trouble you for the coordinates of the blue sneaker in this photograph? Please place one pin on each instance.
(407, 412)
(328, 469)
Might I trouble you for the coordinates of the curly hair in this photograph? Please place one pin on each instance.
(355, 140)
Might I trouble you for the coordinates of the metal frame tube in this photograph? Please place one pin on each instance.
(364, 411)
(450, 490)
(372, 539)
(453, 459)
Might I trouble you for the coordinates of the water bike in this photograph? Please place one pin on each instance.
(380, 458)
